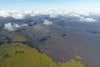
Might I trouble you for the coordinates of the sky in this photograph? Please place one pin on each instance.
(48, 4)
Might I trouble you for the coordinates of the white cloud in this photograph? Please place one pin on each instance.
(9, 27)
(47, 22)
(51, 12)
(17, 15)
(83, 19)
(74, 14)
(4, 13)
(13, 26)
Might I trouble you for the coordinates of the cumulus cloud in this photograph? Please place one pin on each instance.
(47, 22)
(9, 27)
(4, 13)
(13, 26)
(14, 14)
(83, 19)
(18, 16)
(74, 14)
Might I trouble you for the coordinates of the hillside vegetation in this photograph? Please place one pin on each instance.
(20, 55)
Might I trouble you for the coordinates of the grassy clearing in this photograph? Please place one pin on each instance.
(19, 55)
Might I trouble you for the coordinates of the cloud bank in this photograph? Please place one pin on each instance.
(15, 19)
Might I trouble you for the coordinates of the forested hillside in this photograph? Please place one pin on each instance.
(20, 55)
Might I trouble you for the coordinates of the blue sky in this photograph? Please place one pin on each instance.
(44, 4)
